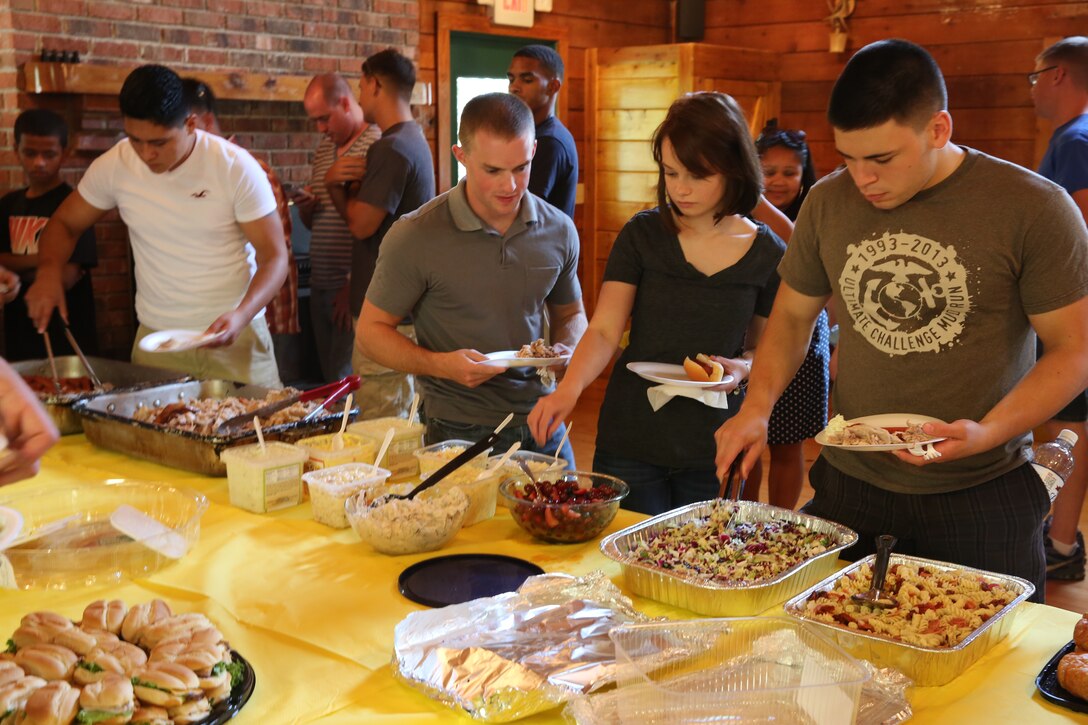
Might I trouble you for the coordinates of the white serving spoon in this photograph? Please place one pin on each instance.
(562, 442)
(385, 446)
(414, 409)
(260, 434)
(338, 439)
(489, 470)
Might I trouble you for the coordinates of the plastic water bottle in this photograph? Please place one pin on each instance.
(1053, 461)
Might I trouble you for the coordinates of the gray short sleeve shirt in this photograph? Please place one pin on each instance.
(466, 286)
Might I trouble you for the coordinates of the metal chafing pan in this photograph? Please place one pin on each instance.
(119, 374)
(108, 422)
(927, 666)
(716, 599)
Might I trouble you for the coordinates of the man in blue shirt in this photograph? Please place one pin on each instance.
(536, 75)
(1059, 89)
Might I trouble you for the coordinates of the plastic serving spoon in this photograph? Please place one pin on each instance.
(875, 596)
(385, 446)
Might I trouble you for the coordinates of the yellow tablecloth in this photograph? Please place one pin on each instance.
(314, 609)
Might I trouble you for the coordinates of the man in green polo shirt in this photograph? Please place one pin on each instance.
(482, 267)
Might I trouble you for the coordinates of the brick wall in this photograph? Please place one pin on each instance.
(278, 36)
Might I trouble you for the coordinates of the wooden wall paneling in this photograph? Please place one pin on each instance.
(589, 269)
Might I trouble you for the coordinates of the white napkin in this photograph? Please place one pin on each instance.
(661, 394)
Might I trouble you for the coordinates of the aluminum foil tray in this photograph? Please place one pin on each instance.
(927, 666)
(715, 599)
(119, 374)
(108, 422)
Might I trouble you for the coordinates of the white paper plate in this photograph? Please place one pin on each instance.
(510, 359)
(11, 525)
(175, 340)
(884, 420)
(668, 374)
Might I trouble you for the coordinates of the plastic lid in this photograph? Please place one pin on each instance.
(1068, 436)
(460, 578)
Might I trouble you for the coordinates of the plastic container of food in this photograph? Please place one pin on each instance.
(265, 480)
(436, 455)
(407, 439)
(323, 451)
(750, 670)
(85, 549)
(555, 512)
(331, 487)
(407, 526)
(483, 493)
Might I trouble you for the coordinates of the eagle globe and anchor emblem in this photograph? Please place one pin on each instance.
(905, 293)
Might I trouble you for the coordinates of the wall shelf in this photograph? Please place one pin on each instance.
(82, 78)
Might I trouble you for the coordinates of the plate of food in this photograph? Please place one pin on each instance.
(700, 372)
(176, 340)
(884, 432)
(536, 354)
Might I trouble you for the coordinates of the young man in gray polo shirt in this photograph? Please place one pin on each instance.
(480, 268)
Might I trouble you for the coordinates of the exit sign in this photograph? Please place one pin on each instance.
(514, 12)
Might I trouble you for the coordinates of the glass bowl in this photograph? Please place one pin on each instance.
(86, 549)
(554, 510)
(410, 526)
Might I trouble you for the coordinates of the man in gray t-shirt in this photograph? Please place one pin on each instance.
(942, 262)
(480, 268)
(399, 178)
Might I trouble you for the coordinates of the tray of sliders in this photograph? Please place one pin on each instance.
(726, 558)
(120, 665)
(178, 424)
(73, 383)
(944, 616)
(1064, 679)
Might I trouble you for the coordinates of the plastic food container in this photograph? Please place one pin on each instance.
(563, 522)
(86, 550)
(407, 439)
(323, 453)
(751, 670)
(436, 455)
(425, 523)
(262, 481)
(927, 666)
(331, 487)
(717, 599)
(482, 494)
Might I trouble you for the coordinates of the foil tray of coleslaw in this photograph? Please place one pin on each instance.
(927, 666)
(704, 595)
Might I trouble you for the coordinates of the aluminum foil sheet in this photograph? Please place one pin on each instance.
(716, 599)
(927, 666)
(507, 657)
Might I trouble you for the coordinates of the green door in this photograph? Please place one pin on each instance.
(478, 63)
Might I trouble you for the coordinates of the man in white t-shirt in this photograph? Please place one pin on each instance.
(206, 239)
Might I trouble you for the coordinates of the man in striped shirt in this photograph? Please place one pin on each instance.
(331, 105)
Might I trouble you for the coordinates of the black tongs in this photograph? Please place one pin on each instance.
(462, 458)
(727, 485)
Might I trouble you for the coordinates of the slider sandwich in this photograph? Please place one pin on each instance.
(9, 672)
(141, 616)
(106, 616)
(13, 697)
(120, 658)
(110, 701)
(211, 668)
(48, 661)
(166, 684)
(179, 626)
(150, 715)
(55, 703)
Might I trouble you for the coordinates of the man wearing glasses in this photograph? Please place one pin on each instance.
(1059, 89)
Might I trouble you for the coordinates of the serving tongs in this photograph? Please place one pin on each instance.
(727, 484)
(461, 459)
(875, 597)
(330, 393)
(82, 358)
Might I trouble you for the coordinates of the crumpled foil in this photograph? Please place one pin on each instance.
(507, 657)
(882, 700)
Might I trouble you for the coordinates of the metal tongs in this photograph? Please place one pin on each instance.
(462, 458)
(727, 485)
(82, 358)
(330, 393)
(875, 597)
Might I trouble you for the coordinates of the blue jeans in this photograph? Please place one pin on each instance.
(333, 344)
(656, 489)
(439, 429)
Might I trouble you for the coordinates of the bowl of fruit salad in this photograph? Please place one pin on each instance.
(564, 508)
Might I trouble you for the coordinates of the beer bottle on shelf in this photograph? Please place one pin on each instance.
(1053, 461)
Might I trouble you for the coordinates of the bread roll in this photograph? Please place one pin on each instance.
(48, 661)
(76, 640)
(14, 694)
(107, 616)
(55, 703)
(1080, 633)
(150, 715)
(179, 626)
(141, 616)
(191, 711)
(9, 672)
(113, 694)
(1073, 674)
(165, 684)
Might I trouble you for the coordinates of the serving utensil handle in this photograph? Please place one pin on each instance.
(462, 458)
(884, 545)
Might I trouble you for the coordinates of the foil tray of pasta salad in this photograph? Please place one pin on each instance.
(726, 558)
(945, 616)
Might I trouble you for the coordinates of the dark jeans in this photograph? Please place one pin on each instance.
(655, 489)
(996, 526)
(440, 429)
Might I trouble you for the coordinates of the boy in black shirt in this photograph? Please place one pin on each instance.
(41, 140)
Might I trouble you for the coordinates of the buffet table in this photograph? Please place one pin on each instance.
(313, 609)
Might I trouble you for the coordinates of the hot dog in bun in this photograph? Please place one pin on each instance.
(703, 369)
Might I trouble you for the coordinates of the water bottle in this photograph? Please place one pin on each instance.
(1053, 461)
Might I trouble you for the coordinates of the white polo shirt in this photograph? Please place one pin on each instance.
(192, 261)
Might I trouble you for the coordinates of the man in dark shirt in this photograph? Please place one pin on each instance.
(536, 75)
(41, 138)
(396, 178)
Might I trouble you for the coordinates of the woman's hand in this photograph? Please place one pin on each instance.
(551, 411)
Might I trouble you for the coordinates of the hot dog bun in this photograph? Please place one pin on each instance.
(703, 369)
